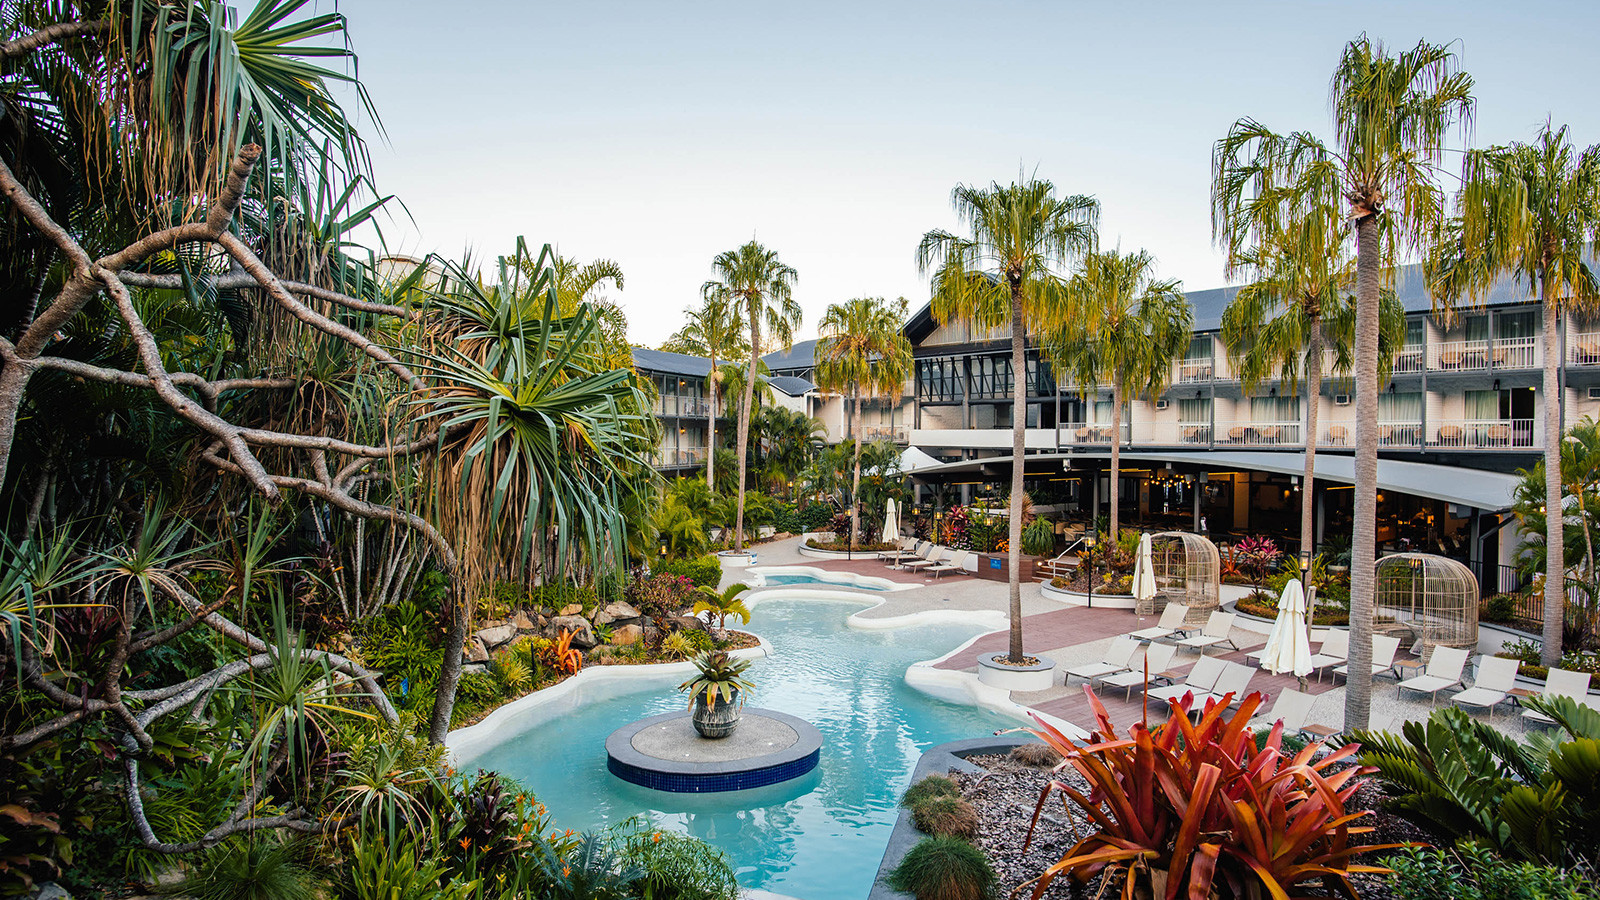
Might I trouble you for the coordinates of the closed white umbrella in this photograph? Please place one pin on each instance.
(1288, 649)
(1144, 572)
(891, 524)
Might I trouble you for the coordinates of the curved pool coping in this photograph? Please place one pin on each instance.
(755, 576)
(686, 777)
(950, 685)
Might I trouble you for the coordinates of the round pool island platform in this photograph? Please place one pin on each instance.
(666, 753)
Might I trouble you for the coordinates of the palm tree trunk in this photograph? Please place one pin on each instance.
(1308, 537)
(444, 698)
(1363, 536)
(744, 422)
(1116, 455)
(1019, 424)
(855, 484)
(1555, 561)
(711, 425)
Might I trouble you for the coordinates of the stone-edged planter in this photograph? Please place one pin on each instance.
(1078, 598)
(736, 559)
(997, 674)
(805, 549)
(936, 760)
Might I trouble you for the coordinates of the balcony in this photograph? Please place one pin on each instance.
(1481, 356)
(1194, 371)
(898, 434)
(1584, 349)
(682, 406)
(1090, 434)
(1259, 434)
(1483, 434)
(680, 458)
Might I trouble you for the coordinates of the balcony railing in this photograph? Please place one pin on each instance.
(671, 459)
(899, 434)
(682, 406)
(1477, 356)
(1191, 371)
(1408, 360)
(1089, 433)
(1482, 434)
(1585, 349)
(1259, 434)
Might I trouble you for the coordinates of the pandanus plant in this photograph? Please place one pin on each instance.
(720, 678)
(1197, 810)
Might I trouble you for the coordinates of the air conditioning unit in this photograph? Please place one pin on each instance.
(1341, 399)
(1594, 393)
(1162, 404)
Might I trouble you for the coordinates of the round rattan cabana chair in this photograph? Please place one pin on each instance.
(1433, 598)
(1188, 570)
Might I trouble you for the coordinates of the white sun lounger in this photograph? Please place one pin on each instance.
(1118, 657)
(1200, 680)
(933, 557)
(956, 563)
(1496, 677)
(1384, 647)
(1291, 707)
(1158, 656)
(1171, 624)
(1562, 683)
(1215, 632)
(1443, 672)
(1335, 651)
(906, 545)
(1235, 680)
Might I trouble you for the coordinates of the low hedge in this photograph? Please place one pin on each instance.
(1325, 615)
(706, 571)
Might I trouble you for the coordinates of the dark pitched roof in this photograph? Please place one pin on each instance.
(789, 384)
(661, 361)
(801, 356)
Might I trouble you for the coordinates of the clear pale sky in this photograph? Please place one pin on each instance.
(659, 134)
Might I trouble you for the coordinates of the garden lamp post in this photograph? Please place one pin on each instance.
(1089, 541)
(937, 515)
(1306, 560)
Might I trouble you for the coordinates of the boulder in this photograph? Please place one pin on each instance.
(621, 610)
(522, 622)
(50, 891)
(571, 609)
(475, 668)
(476, 651)
(496, 635)
(627, 635)
(690, 623)
(582, 631)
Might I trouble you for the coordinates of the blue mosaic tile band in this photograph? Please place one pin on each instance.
(682, 783)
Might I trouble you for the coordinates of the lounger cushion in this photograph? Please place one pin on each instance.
(1427, 684)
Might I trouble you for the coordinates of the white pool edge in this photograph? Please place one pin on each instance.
(755, 576)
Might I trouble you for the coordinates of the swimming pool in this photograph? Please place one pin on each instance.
(771, 576)
(773, 580)
(819, 837)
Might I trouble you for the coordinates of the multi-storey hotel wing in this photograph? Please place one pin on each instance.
(1458, 416)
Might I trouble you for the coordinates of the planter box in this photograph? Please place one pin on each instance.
(997, 566)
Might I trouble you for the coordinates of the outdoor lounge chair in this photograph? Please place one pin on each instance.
(956, 563)
(906, 545)
(1335, 652)
(1561, 683)
(1171, 624)
(1235, 680)
(899, 558)
(1200, 680)
(1496, 676)
(933, 556)
(1118, 657)
(1157, 657)
(1215, 632)
(1291, 707)
(1443, 672)
(1384, 647)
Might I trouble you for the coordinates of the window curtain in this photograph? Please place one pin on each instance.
(1477, 328)
(1274, 409)
(1414, 329)
(1400, 409)
(1520, 324)
(1483, 405)
(1194, 411)
(1199, 349)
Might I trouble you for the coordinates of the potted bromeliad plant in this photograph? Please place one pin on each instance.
(716, 694)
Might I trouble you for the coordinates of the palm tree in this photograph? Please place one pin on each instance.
(1007, 274)
(1529, 212)
(758, 288)
(1127, 327)
(1296, 306)
(861, 350)
(787, 441)
(1391, 118)
(712, 331)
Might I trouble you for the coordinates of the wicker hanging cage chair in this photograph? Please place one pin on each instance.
(1188, 570)
(1430, 599)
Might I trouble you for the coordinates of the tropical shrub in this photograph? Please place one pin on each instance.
(1039, 537)
(377, 868)
(786, 518)
(929, 787)
(560, 656)
(814, 516)
(1467, 780)
(556, 597)
(719, 677)
(1473, 872)
(661, 595)
(258, 867)
(1035, 754)
(946, 817)
(1499, 608)
(722, 604)
(591, 870)
(676, 645)
(1257, 555)
(1203, 805)
(676, 866)
(943, 868)
(703, 571)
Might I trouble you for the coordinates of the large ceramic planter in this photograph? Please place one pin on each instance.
(718, 718)
(1039, 676)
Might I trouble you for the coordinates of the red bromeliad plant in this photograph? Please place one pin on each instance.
(1195, 810)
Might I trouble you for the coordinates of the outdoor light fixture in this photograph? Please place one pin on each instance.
(1089, 541)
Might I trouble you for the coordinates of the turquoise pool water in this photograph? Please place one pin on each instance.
(819, 837)
(802, 578)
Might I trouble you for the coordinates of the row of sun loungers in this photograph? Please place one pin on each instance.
(925, 556)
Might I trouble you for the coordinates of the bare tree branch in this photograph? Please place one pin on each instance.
(51, 34)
